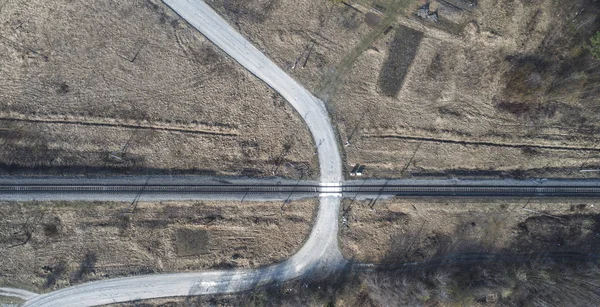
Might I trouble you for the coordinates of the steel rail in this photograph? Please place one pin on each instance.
(38, 188)
(472, 190)
(346, 190)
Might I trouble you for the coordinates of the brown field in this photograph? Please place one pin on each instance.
(494, 89)
(307, 38)
(46, 246)
(127, 86)
(407, 230)
(490, 100)
(404, 230)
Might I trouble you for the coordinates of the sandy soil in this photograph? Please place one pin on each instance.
(129, 86)
(418, 229)
(53, 245)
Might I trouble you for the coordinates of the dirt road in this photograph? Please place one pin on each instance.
(319, 254)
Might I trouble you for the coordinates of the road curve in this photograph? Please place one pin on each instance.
(319, 253)
(202, 17)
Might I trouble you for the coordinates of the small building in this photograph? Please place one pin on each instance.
(357, 170)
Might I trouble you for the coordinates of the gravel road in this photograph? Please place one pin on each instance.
(320, 252)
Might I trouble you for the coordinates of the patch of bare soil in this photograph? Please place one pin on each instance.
(128, 86)
(47, 246)
(495, 88)
(420, 229)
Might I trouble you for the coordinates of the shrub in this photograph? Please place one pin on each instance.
(594, 46)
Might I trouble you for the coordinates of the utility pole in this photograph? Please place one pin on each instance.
(133, 205)
(294, 189)
(372, 204)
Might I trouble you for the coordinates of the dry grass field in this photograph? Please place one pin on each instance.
(47, 246)
(495, 88)
(127, 86)
(313, 40)
(512, 94)
(405, 230)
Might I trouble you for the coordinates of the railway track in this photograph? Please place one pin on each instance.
(310, 189)
(475, 190)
